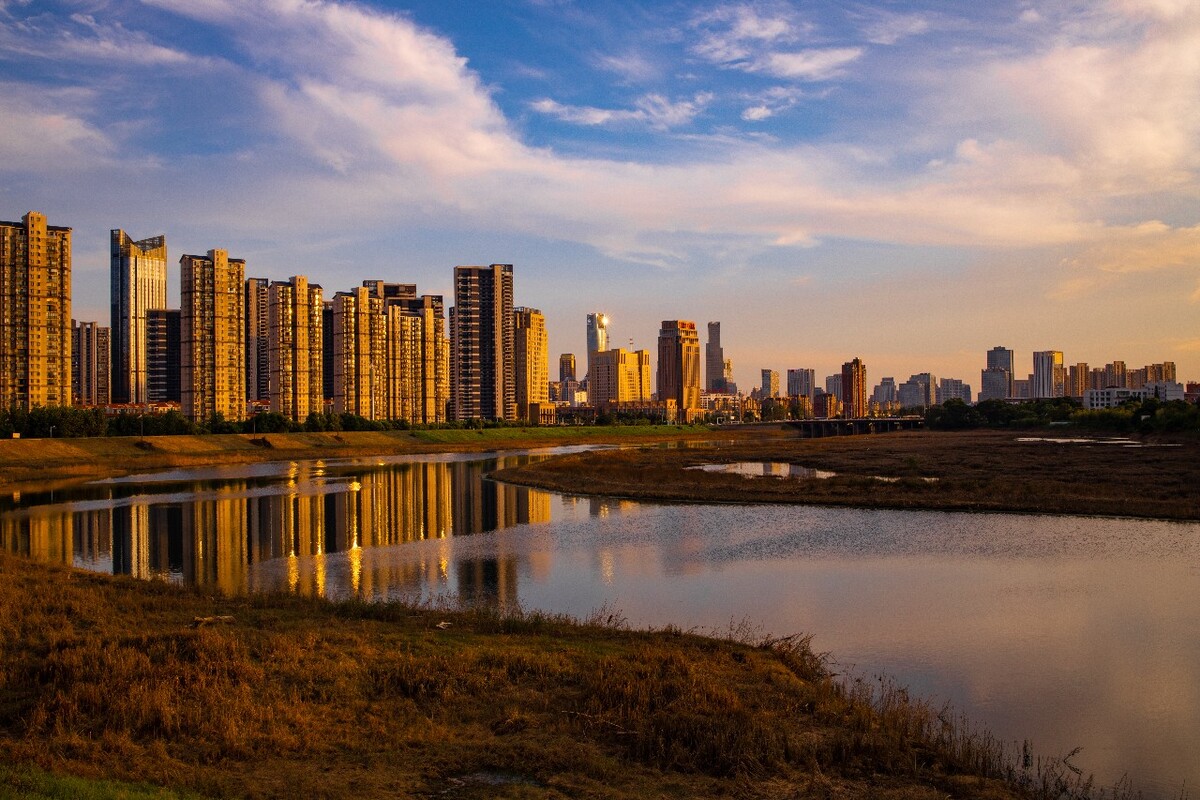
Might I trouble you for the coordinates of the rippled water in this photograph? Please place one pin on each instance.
(1069, 631)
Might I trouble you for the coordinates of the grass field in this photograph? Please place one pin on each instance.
(112, 681)
(970, 471)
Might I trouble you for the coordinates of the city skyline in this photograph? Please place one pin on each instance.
(1021, 173)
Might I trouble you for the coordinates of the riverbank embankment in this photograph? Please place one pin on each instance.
(49, 463)
(1042, 472)
(118, 679)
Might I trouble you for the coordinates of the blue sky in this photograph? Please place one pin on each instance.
(910, 183)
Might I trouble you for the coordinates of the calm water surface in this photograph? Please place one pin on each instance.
(1068, 631)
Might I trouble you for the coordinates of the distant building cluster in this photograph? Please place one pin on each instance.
(240, 345)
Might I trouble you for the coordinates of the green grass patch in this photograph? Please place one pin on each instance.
(29, 783)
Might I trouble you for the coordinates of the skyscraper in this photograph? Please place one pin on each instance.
(359, 353)
(213, 336)
(597, 338)
(35, 328)
(90, 360)
(679, 364)
(137, 283)
(620, 377)
(481, 343)
(1049, 377)
(770, 383)
(295, 350)
(566, 367)
(854, 389)
(531, 364)
(258, 340)
(801, 382)
(996, 380)
(715, 378)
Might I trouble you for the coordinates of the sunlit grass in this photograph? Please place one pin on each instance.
(299, 697)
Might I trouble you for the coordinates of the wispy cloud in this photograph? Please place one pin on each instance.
(81, 38)
(757, 39)
(652, 110)
(887, 27)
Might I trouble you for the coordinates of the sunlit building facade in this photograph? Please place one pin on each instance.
(531, 361)
(295, 353)
(212, 336)
(620, 377)
(854, 389)
(679, 364)
(137, 285)
(360, 354)
(35, 326)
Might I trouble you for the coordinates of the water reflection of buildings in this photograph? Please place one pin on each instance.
(216, 539)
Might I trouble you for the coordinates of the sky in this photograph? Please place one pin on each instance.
(910, 183)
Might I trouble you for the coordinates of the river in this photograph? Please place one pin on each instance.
(1066, 631)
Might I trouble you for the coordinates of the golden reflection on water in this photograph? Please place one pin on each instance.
(306, 516)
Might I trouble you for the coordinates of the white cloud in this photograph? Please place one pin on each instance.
(632, 67)
(652, 110)
(808, 65)
(53, 135)
(757, 113)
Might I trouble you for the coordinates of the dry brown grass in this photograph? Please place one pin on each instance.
(105, 677)
(974, 471)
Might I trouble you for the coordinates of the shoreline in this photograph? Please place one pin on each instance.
(961, 472)
(28, 464)
(120, 679)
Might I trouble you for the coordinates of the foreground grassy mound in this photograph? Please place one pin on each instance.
(278, 696)
(962, 471)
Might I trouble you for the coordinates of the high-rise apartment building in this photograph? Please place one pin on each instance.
(854, 389)
(833, 386)
(163, 355)
(716, 369)
(212, 336)
(1078, 378)
(1114, 375)
(35, 327)
(531, 361)
(566, 367)
(481, 343)
(258, 340)
(1049, 376)
(919, 390)
(137, 284)
(295, 347)
(996, 380)
(801, 382)
(359, 353)
(885, 392)
(597, 337)
(679, 364)
(953, 389)
(425, 367)
(770, 384)
(621, 377)
(91, 354)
